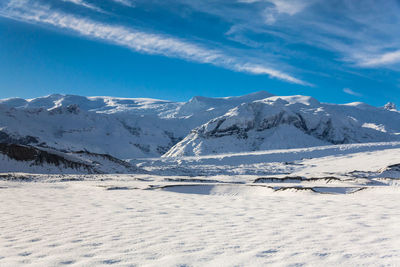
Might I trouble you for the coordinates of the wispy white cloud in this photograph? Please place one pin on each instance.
(258, 69)
(84, 4)
(138, 40)
(361, 34)
(128, 3)
(351, 92)
(290, 7)
(366, 35)
(381, 60)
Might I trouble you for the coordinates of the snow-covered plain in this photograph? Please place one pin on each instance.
(329, 205)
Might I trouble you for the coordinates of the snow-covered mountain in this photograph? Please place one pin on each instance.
(121, 127)
(289, 122)
(129, 128)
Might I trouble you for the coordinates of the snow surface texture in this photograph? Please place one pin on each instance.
(142, 128)
(336, 205)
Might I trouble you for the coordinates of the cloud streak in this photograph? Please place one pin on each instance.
(127, 3)
(137, 40)
(382, 60)
(84, 4)
(258, 69)
(351, 92)
(360, 34)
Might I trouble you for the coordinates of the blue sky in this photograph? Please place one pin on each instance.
(337, 51)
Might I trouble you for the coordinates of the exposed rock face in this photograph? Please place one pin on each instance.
(391, 171)
(323, 130)
(79, 162)
(40, 157)
(10, 139)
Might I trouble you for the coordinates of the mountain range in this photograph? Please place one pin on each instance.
(128, 128)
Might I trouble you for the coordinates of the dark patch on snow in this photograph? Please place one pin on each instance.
(197, 180)
(119, 188)
(392, 168)
(144, 148)
(173, 141)
(107, 157)
(114, 187)
(360, 174)
(81, 161)
(323, 190)
(266, 253)
(13, 139)
(72, 179)
(19, 178)
(133, 130)
(111, 261)
(295, 179)
(40, 157)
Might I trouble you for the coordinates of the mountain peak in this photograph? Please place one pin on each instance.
(248, 97)
(390, 106)
(260, 94)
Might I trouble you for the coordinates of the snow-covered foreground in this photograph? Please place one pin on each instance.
(79, 223)
(316, 206)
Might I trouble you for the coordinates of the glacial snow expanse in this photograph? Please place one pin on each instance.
(241, 181)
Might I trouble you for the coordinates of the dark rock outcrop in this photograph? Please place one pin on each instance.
(40, 157)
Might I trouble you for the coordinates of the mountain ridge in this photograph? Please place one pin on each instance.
(128, 128)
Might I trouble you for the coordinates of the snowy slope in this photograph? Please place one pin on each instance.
(289, 122)
(69, 128)
(121, 127)
(139, 106)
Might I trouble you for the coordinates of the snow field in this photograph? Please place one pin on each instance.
(81, 224)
